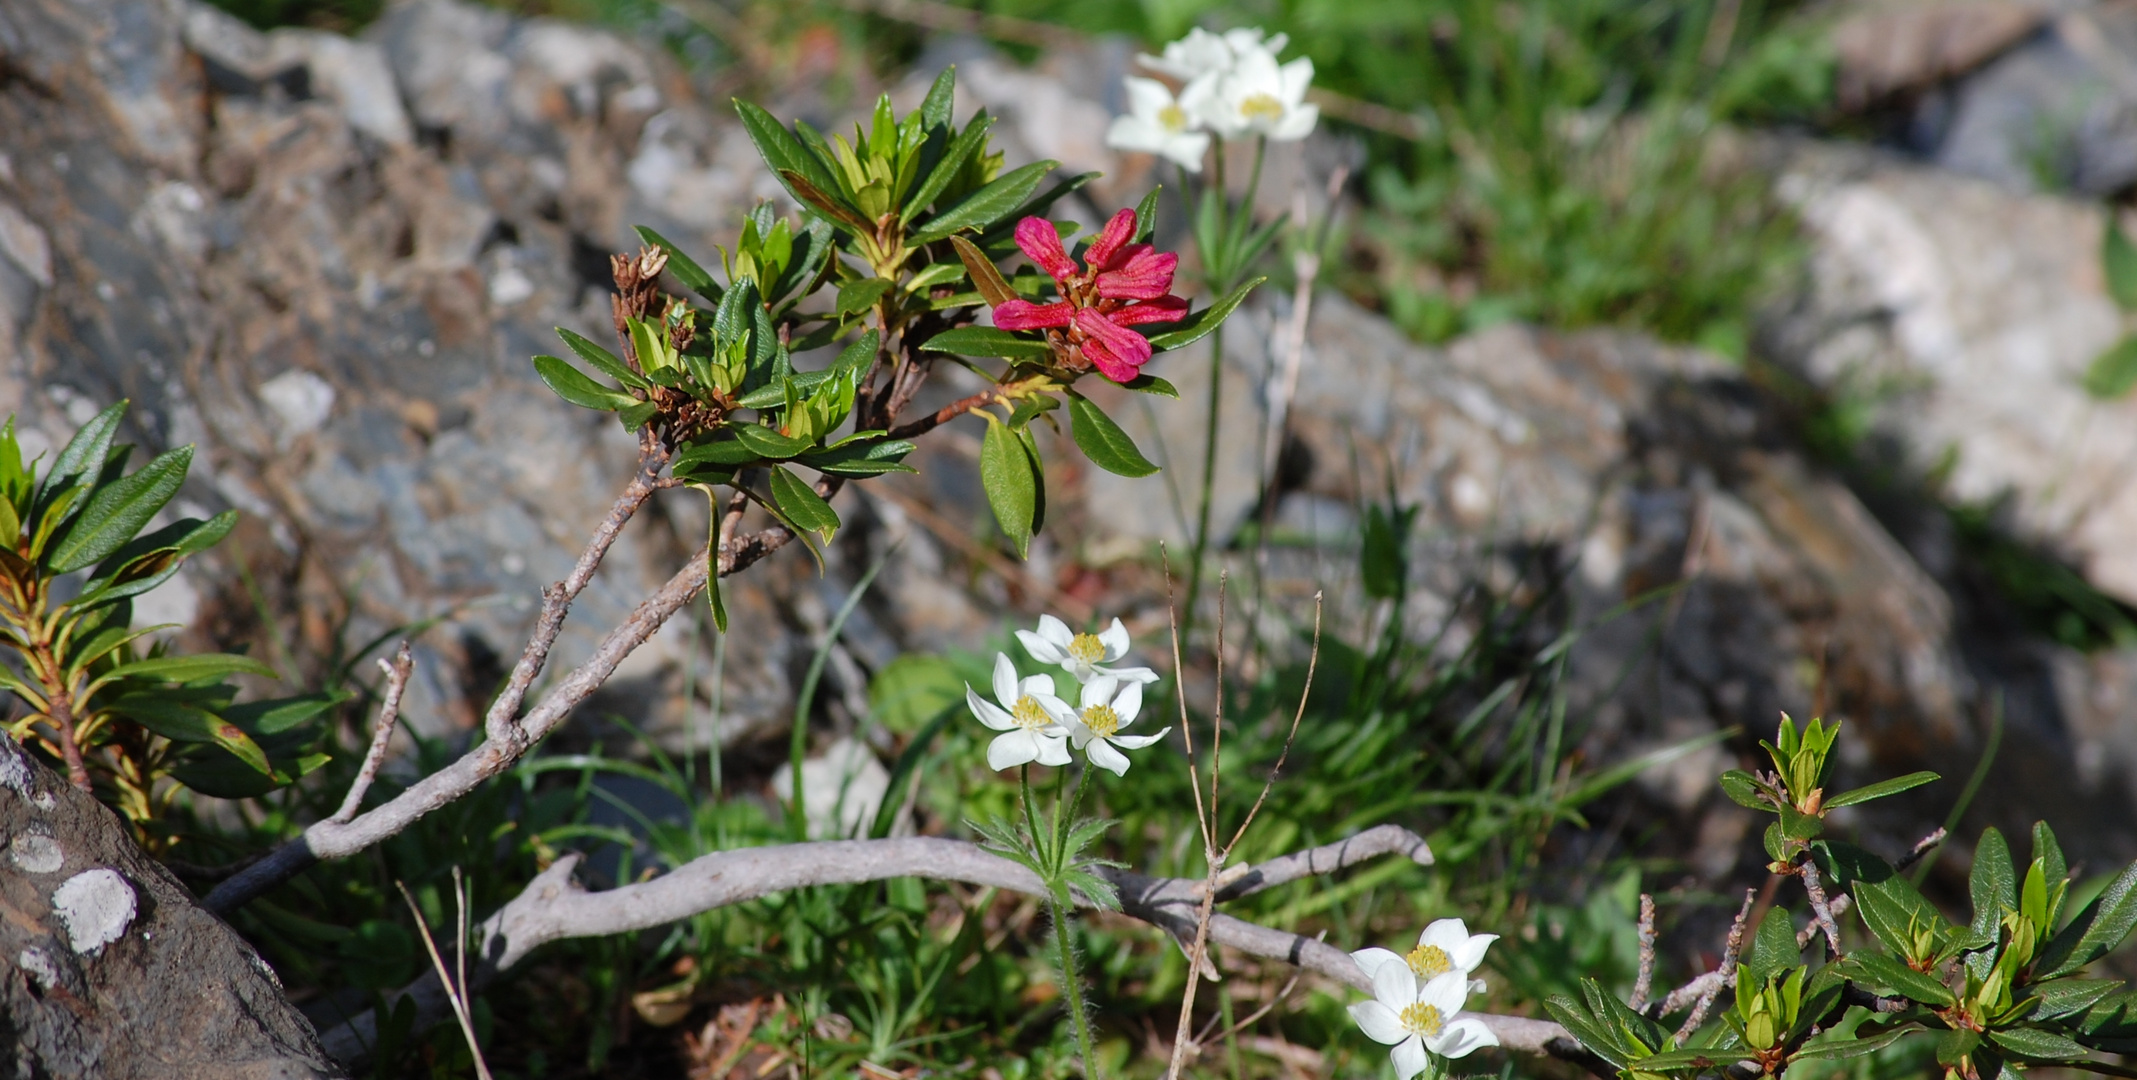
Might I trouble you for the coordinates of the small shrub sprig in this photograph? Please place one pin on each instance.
(895, 254)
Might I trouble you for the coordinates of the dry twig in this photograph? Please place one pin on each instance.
(1644, 984)
(389, 710)
(1723, 975)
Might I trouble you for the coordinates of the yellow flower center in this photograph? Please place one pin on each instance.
(1261, 107)
(1102, 720)
(1173, 118)
(1429, 960)
(1423, 1019)
(1087, 649)
(1029, 714)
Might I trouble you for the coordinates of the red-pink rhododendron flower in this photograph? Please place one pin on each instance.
(1121, 285)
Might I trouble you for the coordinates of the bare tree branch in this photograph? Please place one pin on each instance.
(389, 710)
(554, 907)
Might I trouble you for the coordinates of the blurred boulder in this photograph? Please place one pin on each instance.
(2057, 112)
(1897, 46)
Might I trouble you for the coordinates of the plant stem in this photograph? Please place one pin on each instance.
(1209, 479)
(1072, 988)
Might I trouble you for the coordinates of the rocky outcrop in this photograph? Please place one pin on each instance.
(110, 969)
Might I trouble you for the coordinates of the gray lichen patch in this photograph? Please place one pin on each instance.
(14, 772)
(96, 906)
(36, 853)
(39, 966)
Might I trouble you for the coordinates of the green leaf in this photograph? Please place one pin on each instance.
(2066, 997)
(1879, 790)
(1894, 911)
(1844, 1047)
(1798, 826)
(2049, 852)
(181, 722)
(1886, 975)
(802, 505)
(151, 559)
(185, 669)
(967, 142)
(685, 269)
(1993, 883)
(2113, 372)
(783, 152)
(986, 277)
(2096, 931)
(862, 459)
(987, 205)
(2118, 258)
(985, 341)
(1005, 471)
(1702, 1059)
(935, 109)
(2037, 1044)
(1197, 326)
(573, 386)
(724, 451)
(768, 443)
(1773, 947)
(855, 297)
(824, 202)
(115, 513)
(1591, 1033)
(84, 454)
(603, 360)
(1146, 216)
(1103, 441)
(1744, 790)
(1151, 384)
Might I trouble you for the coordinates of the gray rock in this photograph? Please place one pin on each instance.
(2058, 113)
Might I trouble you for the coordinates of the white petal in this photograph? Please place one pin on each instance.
(1296, 76)
(1369, 960)
(1131, 674)
(1115, 639)
(1042, 650)
(1409, 1058)
(1146, 97)
(1010, 750)
(988, 712)
(1062, 714)
(1053, 750)
(1296, 124)
(1395, 986)
(1099, 691)
(1128, 703)
(1038, 686)
(1005, 681)
(1105, 757)
(1137, 742)
(1476, 986)
(1461, 1037)
(1445, 934)
(1447, 991)
(1470, 954)
(1186, 150)
(1379, 1022)
(1132, 133)
(1056, 631)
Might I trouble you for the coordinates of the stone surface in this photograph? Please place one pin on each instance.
(2058, 112)
(107, 968)
(1963, 316)
(1894, 46)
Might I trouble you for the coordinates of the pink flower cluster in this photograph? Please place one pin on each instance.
(1121, 285)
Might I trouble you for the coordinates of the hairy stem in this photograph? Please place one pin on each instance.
(1072, 987)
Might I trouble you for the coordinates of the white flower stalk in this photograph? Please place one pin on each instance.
(1446, 945)
(1416, 1018)
(1255, 96)
(1201, 52)
(1108, 706)
(1084, 655)
(1156, 124)
(1030, 718)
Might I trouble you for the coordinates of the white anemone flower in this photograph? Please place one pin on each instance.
(1415, 1018)
(1030, 718)
(1201, 52)
(1083, 654)
(1255, 96)
(1156, 124)
(1446, 945)
(1108, 706)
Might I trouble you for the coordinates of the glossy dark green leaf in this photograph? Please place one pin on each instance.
(184, 669)
(1197, 326)
(1703, 1059)
(1005, 472)
(1743, 789)
(858, 296)
(1894, 912)
(2097, 930)
(935, 109)
(986, 341)
(116, 512)
(84, 454)
(1798, 826)
(1104, 442)
(574, 386)
(1151, 384)
(2114, 372)
(2058, 998)
(765, 442)
(783, 152)
(151, 559)
(2049, 852)
(602, 360)
(960, 150)
(987, 205)
(1881, 789)
(277, 716)
(1852, 1046)
(182, 722)
(1773, 947)
(1993, 883)
(862, 459)
(802, 505)
(999, 235)
(1588, 1031)
(1887, 975)
(685, 268)
(1146, 216)
(715, 451)
(2037, 1044)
